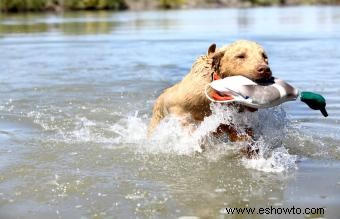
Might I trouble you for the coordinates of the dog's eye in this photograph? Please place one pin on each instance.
(241, 56)
(264, 56)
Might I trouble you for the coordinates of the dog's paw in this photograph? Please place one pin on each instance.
(250, 151)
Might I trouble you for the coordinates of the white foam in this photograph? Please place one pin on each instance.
(270, 128)
(279, 161)
(131, 129)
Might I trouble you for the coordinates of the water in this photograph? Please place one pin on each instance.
(76, 92)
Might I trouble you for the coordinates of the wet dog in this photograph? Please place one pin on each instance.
(187, 99)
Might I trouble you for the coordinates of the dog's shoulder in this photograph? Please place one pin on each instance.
(202, 64)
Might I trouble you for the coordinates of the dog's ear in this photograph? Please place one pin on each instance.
(216, 58)
(211, 50)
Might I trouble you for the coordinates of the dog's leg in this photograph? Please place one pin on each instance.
(159, 112)
(153, 124)
(157, 115)
(249, 151)
(233, 134)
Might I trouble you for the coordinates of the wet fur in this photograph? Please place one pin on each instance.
(187, 99)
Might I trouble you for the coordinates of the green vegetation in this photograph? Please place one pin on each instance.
(94, 4)
(60, 5)
(265, 2)
(167, 4)
(22, 5)
(41, 5)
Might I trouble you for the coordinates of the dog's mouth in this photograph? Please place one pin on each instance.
(264, 80)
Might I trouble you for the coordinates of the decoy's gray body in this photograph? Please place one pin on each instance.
(267, 94)
(255, 94)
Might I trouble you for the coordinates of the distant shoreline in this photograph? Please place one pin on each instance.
(13, 6)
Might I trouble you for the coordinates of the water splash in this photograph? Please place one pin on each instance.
(270, 127)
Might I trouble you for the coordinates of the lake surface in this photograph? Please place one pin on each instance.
(76, 92)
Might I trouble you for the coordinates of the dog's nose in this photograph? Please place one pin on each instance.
(264, 71)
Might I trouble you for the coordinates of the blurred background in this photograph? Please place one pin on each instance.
(59, 5)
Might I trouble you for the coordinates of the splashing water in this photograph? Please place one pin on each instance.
(270, 127)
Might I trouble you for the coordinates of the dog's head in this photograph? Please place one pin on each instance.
(242, 57)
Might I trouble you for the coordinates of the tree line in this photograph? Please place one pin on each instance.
(61, 5)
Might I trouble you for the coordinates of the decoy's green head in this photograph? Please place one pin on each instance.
(314, 101)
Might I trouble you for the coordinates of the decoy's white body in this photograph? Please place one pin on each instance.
(249, 93)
